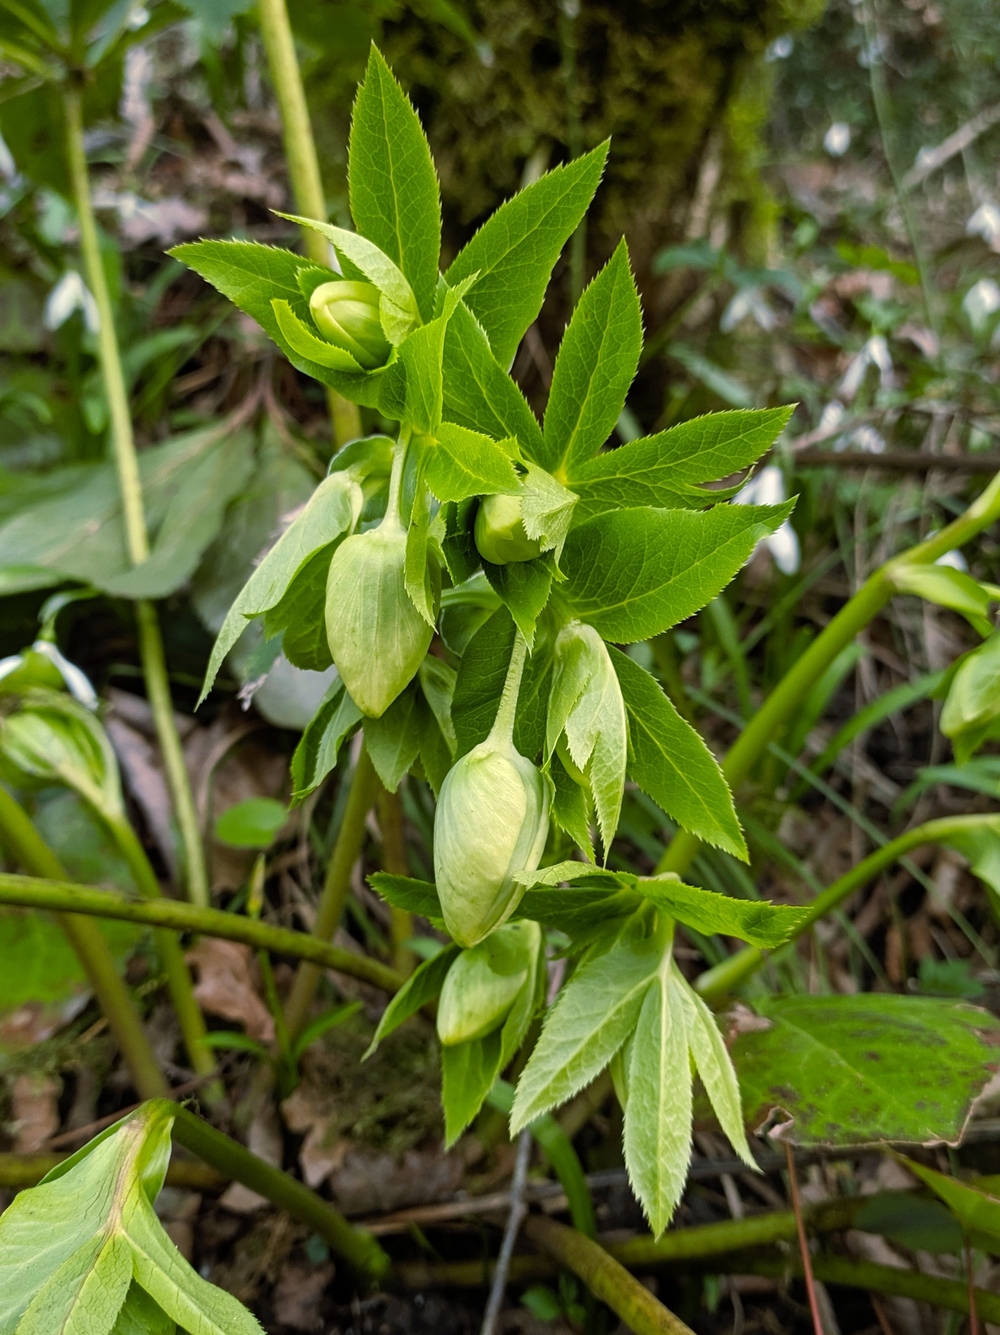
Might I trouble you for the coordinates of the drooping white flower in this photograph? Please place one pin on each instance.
(71, 294)
(980, 302)
(837, 139)
(768, 488)
(748, 301)
(955, 559)
(875, 352)
(780, 48)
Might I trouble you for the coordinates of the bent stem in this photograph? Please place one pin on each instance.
(92, 950)
(130, 486)
(502, 732)
(717, 982)
(303, 167)
(852, 618)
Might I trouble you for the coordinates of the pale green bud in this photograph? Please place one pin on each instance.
(491, 823)
(56, 740)
(347, 315)
(377, 637)
(500, 533)
(484, 982)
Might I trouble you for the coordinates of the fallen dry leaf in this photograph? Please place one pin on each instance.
(298, 1294)
(226, 986)
(34, 1107)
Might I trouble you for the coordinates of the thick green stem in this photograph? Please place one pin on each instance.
(395, 861)
(18, 1171)
(58, 896)
(303, 166)
(355, 1246)
(606, 1278)
(346, 851)
(130, 486)
(718, 981)
(92, 950)
(852, 618)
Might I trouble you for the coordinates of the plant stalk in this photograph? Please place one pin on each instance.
(355, 1246)
(852, 618)
(606, 1278)
(92, 950)
(303, 167)
(60, 896)
(396, 862)
(346, 851)
(719, 981)
(19, 1171)
(130, 486)
(502, 732)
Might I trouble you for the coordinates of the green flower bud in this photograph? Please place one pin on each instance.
(484, 982)
(377, 637)
(500, 532)
(347, 315)
(56, 740)
(491, 823)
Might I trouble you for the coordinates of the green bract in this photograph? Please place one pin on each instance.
(54, 739)
(483, 984)
(347, 315)
(971, 713)
(500, 533)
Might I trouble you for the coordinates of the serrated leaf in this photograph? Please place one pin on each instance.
(594, 1015)
(580, 908)
(523, 587)
(667, 470)
(422, 356)
(423, 985)
(634, 573)
(327, 516)
(395, 200)
(468, 1071)
(393, 739)
(671, 763)
(407, 892)
(420, 563)
(465, 463)
(851, 1070)
(437, 681)
(546, 509)
(714, 1064)
(480, 683)
(478, 392)
(299, 617)
(657, 1137)
(595, 366)
(141, 1316)
(514, 251)
(570, 807)
(760, 922)
(316, 753)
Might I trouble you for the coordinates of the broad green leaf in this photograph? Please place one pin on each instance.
(466, 463)
(714, 1064)
(70, 1247)
(571, 806)
(578, 909)
(595, 366)
(513, 253)
(437, 681)
(971, 711)
(422, 356)
(980, 843)
(330, 512)
(657, 1139)
(406, 892)
(420, 567)
(480, 682)
(393, 739)
(667, 470)
(250, 275)
(546, 509)
(862, 1069)
(948, 588)
(423, 985)
(437, 752)
(594, 1015)
(300, 617)
(760, 922)
(633, 573)
(252, 823)
(141, 1316)
(672, 765)
(468, 1071)
(394, 194)
(523, 588)
(316, 753)
(976, 1208)
(478, 392)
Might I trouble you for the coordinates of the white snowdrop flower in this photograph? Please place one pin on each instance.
(868, 439)
(985, 222)
(837, 139)
(138, 18)
(8, 167)
(71, 294)
(980, 302)
(831, 416)
(780, 48)
(768, 488)
(955, 559)
(749, 301)
(874, 353)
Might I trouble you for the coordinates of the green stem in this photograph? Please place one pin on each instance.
(346, 852)
(720, 980)
(396, 862)
(92, 950)
(130, 486)
(852, 618)
(303, 166)
(59, 896)
(502, 732)
(606, 1278)
(18, 1171)
(355, 1246)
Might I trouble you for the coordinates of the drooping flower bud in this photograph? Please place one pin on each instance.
(485, 981)
(54, 739)
(347, 315)
(44, 665)
(377, 637)
(500, 533)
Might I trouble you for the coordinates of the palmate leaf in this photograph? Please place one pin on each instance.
(595, 366)
(513, 252)
(667, 470)
(72, 1248)
(395, 200)
(633, 573)
(671, 763)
